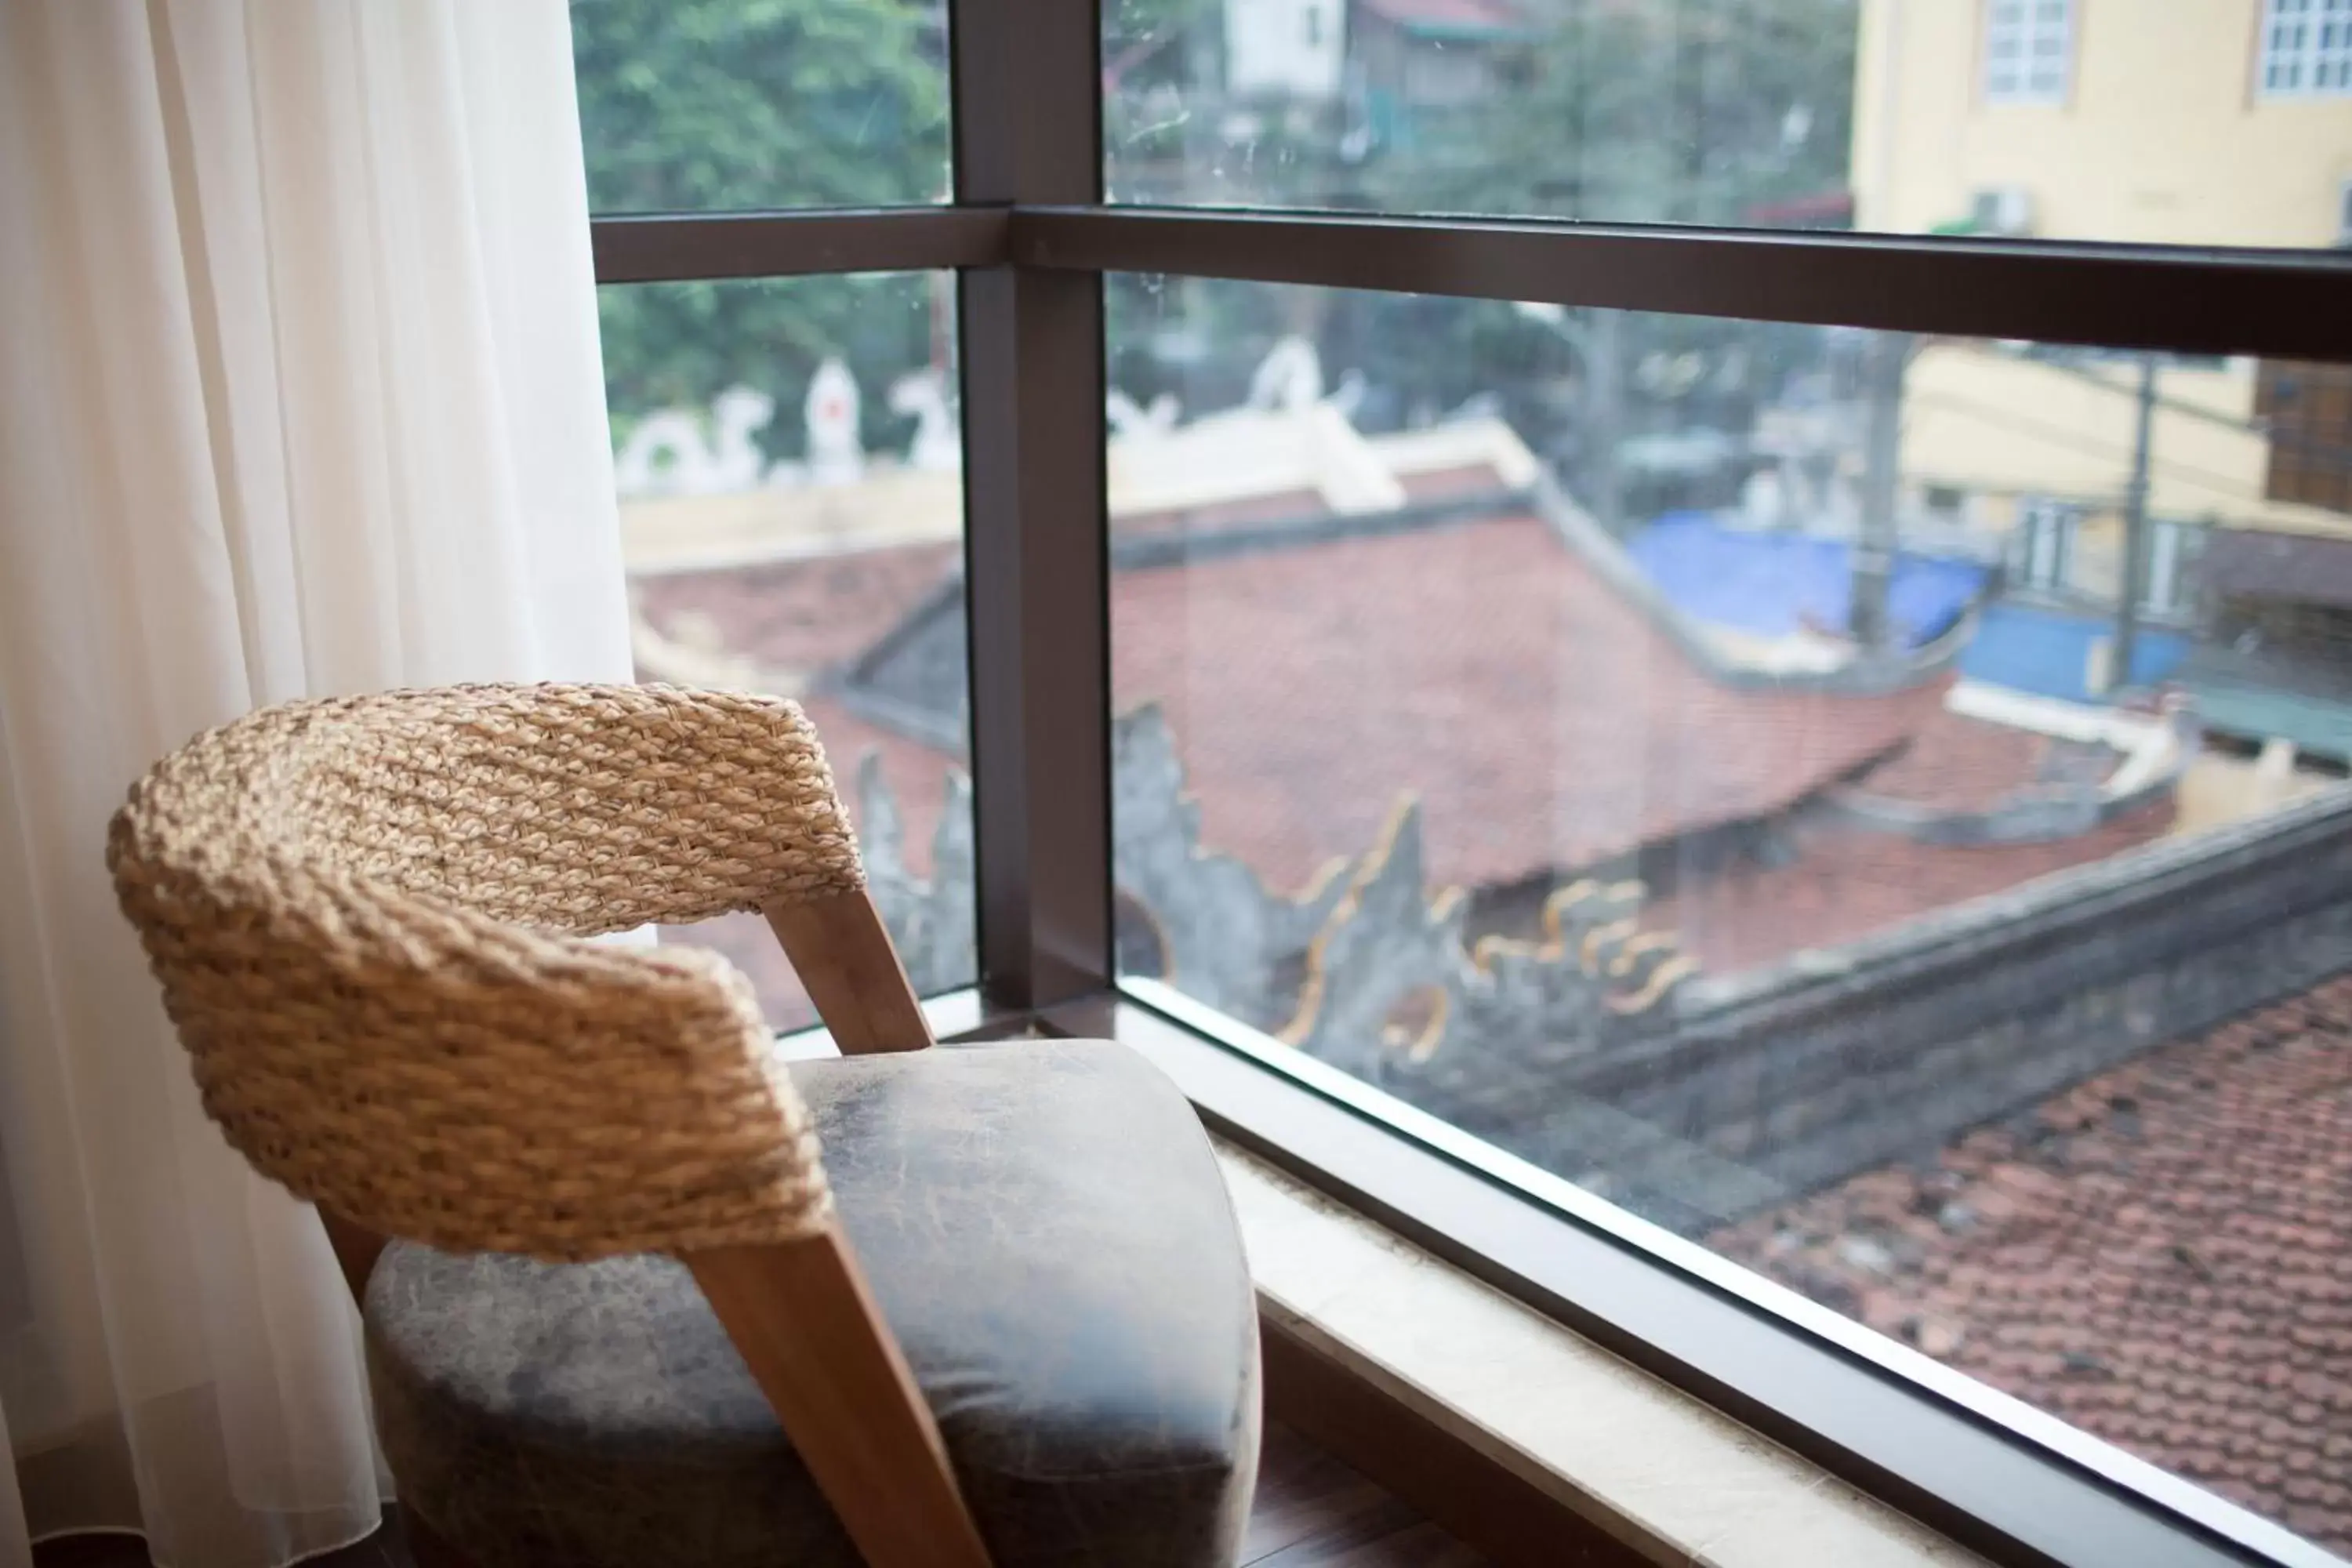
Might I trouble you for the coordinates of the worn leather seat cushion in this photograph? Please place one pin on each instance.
(1045, 1229)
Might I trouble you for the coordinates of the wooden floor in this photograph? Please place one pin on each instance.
(1312, 1511)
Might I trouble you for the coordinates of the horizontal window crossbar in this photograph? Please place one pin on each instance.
(1032, 334)
(669, 249)
(2284, 304)
(2289, 304)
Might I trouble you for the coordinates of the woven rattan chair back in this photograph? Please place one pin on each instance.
(367, 916)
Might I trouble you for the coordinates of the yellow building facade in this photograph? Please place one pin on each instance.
(2164, 131)
(2164, 121)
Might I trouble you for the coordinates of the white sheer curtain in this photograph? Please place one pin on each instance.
(300, 394)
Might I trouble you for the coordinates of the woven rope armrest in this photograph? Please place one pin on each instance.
(367, 917)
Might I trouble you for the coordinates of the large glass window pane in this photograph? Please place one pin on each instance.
(712, 105)
(2226, 123)
(1872, 805)
(788, 454)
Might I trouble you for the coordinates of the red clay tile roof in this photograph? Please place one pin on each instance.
(801, 615)
(1958, 763)
(2161, 1256)
(1845, 883)
(1233, 516)
(1544, 722)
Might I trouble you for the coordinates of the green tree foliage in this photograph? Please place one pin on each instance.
(1666, 112)
(1162, 63)
(1616, 110)
(730, 105)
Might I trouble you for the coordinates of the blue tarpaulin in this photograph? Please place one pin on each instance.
(1772, 585)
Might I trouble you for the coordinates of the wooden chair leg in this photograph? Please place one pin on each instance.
(356, 1249)
(807, 1327)
(841, 951)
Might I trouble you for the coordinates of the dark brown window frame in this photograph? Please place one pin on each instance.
(1030, 236)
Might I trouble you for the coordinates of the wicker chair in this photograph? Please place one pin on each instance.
(1004, 1319)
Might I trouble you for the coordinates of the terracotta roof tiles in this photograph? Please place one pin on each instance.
(2161, 1254)
(1839, 883)
(1542, 720)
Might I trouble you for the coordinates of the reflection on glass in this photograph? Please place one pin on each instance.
(1873, 804)
(712, 105)
(788, 456)
(2228, 122)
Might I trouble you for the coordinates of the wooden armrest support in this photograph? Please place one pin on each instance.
(807, 1327)
(356, 1249)
(841, 951)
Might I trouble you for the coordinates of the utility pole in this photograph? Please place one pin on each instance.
(1597, 338)
(1883, 357)
(2135, 540)
(1205, 101)
(1604, 416)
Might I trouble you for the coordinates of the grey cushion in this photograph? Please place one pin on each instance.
(1047, 1233)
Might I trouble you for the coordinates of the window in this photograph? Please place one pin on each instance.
(2307, 49)
(713, 105)
(2040, 544)
(1686, 749)
(1679, 111)
(1763, 113)
(2173, 547)
(789, 458)
(2308, 411)
(1482, 755)
(2046, 549)
(2028, 46)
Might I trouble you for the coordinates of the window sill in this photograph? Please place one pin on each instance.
(1669, 1477)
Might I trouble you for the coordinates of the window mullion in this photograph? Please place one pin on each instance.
(1027, 116)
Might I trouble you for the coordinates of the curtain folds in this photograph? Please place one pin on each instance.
(301, 395)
